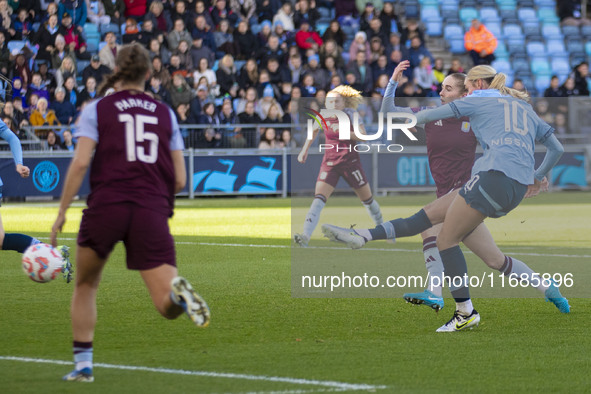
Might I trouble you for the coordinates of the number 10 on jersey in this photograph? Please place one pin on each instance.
(135, 133)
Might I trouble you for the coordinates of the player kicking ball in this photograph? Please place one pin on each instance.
(133, 146)
(501, 179)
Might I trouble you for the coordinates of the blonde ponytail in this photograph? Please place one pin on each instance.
(495, 80)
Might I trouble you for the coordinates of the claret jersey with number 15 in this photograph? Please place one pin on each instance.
(135, 135)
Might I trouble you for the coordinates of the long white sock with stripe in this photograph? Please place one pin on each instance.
(313, 215)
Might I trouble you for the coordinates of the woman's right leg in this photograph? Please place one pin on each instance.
(322, 192)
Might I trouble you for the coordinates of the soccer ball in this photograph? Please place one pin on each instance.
(42, 263)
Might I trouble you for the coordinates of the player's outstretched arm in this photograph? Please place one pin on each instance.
(74, 178)
(303, 156)
(15, 149)
(553, 153)
(389, 101)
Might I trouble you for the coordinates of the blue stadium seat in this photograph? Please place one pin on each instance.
(321, 27)
(81, 65)
(453, 31)
(434, 27)
(586, 32)
(412, 10)
(501, 51)
(571, 31)
(509, 15)
(547, 15)
(495, 29)
(520, 65)
(573, 46)
(112, 27)
(90, 28)
(501, 65)
(457, 46)
(536, 49)
(449, 14)
(14, 44)
(92, 44)
(588, 48)
(429, 3)
(512, 31)
(506, 4)
(556, 48)
(489, 14)
(515, 46)
(526, 14)
(526, 3)
(531, 29)
(540, 66)
(467, 14)
(551, 31)
(542, 83)
(545, 3)
(324, 12)
(101, 45)
(430, 13)
(469, 3)
(576, 58)
(449, 3)
(560, 65)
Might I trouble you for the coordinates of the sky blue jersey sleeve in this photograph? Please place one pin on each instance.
(176, 142)
(87, 125)
(389, 101)
(430, 115)
(553, 154)
(543, 131)
(13, 141)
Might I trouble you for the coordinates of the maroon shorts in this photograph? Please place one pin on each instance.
(442, 190)
(145, 234)
(351, 171)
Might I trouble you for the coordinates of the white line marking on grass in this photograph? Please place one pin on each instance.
(572, 256)
(323, 383)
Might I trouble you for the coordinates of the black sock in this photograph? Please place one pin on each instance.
(18, 242)
(398, 228)
(454, 264)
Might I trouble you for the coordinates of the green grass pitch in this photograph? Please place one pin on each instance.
(237, 254)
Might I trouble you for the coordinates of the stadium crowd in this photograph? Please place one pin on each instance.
(224, 62)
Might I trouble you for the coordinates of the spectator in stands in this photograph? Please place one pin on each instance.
(135, 9)
(201, 10)
(60, 51)
(362, 72)
(45, 38)
(246, 41)
(204, 70)
(226, 75)
(180, 93)
(224, 40)
(22, 26)
(161, 72)
(4, 55)
(220, 11)
(147, 33)
(132, 32)
(285, 16)
(569, 88)
(96, 12)
(251, 95)
(456, 66)
(381, 66)
(417, 52)
(376, 49)
(411, 30)
(156, 49)
(115, 9)
(267, 100)
(245, 9)
(306, 38)
(76, 8)
(73, 36)
(395, 45)
(208, 139)
(409, 89)
(209, 117)
(582, 79)
(518, 85)
(36, 87)
(286, 139)
(19, 93)
(41, 116)
(330, 49)
(376, 31)
(394, 60)
(178, 34)
(570, 13)
(306, 9)
(265, 33)
(249, 133)
(227, 115)
(18, 111)
(480, 43)
(160, 92)
(96, 70)
(320, 75)
(331, 70)
(554, 89)
(307, 86)
(423, 77)
(542, 108)
(47, 79)
(360, 44)
(184, 55)
(271, 50)
(71, 92)
(88, 93)
(53, 141)
(381, 84)
(201, 30)
(10, 112)
(109, 51)
(334, 32)
(184, 116)
(274, 115)
(438, 72)
(180, 12)
(66, 69)
(64, 110)
(268, 139)
(249, 75)
(199, 51)
(6, 16)
(295, 68)
(345, 8)
(160, 19)
(10, 124)
(390, 21)
(68, 143)
(368, 13)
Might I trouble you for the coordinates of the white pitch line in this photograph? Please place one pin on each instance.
(323, 383)
(572, 256)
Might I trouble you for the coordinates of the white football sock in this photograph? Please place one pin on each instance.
(434, 266)
(465, 308)
(373, 208)
(313, 215)
(521, 270)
